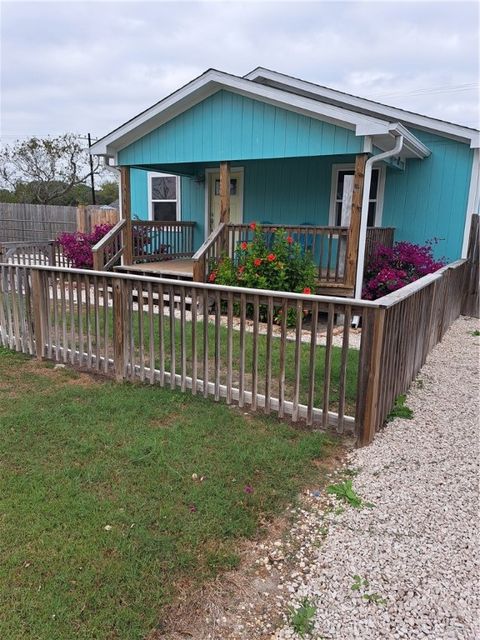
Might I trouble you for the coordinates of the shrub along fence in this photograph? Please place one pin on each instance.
(234, 343)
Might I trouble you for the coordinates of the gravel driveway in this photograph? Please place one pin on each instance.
(415, 552)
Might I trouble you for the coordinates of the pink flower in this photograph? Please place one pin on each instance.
(213, 276)
(271, 257)
(257, 262)
(241, 269)
(289, 239)
(248, 488)
(244, 246)
(253, 226)
(192, 508)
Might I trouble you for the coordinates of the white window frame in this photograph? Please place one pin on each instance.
(155, 174)
(336, 168)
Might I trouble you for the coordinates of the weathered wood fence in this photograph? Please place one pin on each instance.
(36, 222)
(236, 343)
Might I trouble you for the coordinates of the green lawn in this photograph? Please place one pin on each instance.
(141, 336)
(100, 518)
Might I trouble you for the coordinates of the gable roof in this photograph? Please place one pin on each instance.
(363, 105)
(381, 129)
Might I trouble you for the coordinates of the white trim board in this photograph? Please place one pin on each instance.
(213, 81)
(156, 174)
(380, 191)
(473, 203)
(365, 106)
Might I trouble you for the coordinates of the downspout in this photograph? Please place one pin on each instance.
(364, 214)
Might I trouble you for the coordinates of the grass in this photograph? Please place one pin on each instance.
(102, 518)
(173, 337)
(400, 409)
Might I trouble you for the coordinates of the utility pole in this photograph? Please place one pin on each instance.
(92, 179)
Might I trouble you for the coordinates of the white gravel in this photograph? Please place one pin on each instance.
(418, 546)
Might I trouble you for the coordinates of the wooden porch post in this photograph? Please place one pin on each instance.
(224, 192)
(126, 214)
(355, 219)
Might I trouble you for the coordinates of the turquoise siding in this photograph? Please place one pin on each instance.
(227, 126)
(429, 198)
(288, 191)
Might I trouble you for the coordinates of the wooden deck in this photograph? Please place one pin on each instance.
(181, 269)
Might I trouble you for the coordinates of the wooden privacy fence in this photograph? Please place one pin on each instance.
(235, 343)
(38, 222)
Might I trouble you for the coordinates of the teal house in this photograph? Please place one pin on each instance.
(274, 149)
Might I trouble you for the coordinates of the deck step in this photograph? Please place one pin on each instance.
(173, 269)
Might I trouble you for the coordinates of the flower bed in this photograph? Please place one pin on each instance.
(391, 268)
(272, 260)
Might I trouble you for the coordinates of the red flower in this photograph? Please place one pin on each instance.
(213, 276)
(253, 226)
(257, 262)
(244, 246)
(241, 269)
(271, 257)
(307, 291)
(289, 239)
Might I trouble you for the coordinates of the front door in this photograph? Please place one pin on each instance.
(236, 198)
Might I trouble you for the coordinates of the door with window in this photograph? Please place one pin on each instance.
(236, 198)
(342, 191)
(164, 196)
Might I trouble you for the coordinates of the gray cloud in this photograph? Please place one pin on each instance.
(89, 66)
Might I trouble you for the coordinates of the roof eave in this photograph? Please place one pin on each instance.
(449, 129)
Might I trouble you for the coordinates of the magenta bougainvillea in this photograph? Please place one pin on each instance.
(391, 268)
(77, 247)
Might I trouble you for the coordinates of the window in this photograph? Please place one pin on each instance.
(164, 197)
(342, 197)
(233, 187)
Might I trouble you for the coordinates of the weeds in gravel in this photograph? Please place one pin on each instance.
(344, 491)
(302, 619)
(475, 333)
(361, 584)
(400, 410)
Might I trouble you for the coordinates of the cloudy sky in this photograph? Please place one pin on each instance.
(89, 66)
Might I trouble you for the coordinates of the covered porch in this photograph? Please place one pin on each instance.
(171, 248)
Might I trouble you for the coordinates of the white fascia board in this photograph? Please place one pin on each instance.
(213, 81)
(288, 83)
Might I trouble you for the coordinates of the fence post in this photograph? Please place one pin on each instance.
(119, 328)
(366, 415)
(199, 270)
(39, 302)
(82, 221)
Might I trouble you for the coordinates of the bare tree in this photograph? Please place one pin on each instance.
(50, 167)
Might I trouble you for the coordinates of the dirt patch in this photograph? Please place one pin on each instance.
(18, 378)
(229, 607)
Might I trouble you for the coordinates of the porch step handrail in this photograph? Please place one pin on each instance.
(212, 248)
(108, 251)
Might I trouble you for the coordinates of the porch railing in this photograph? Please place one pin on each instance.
(109, 250)
(328, 246)
(154, 241)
